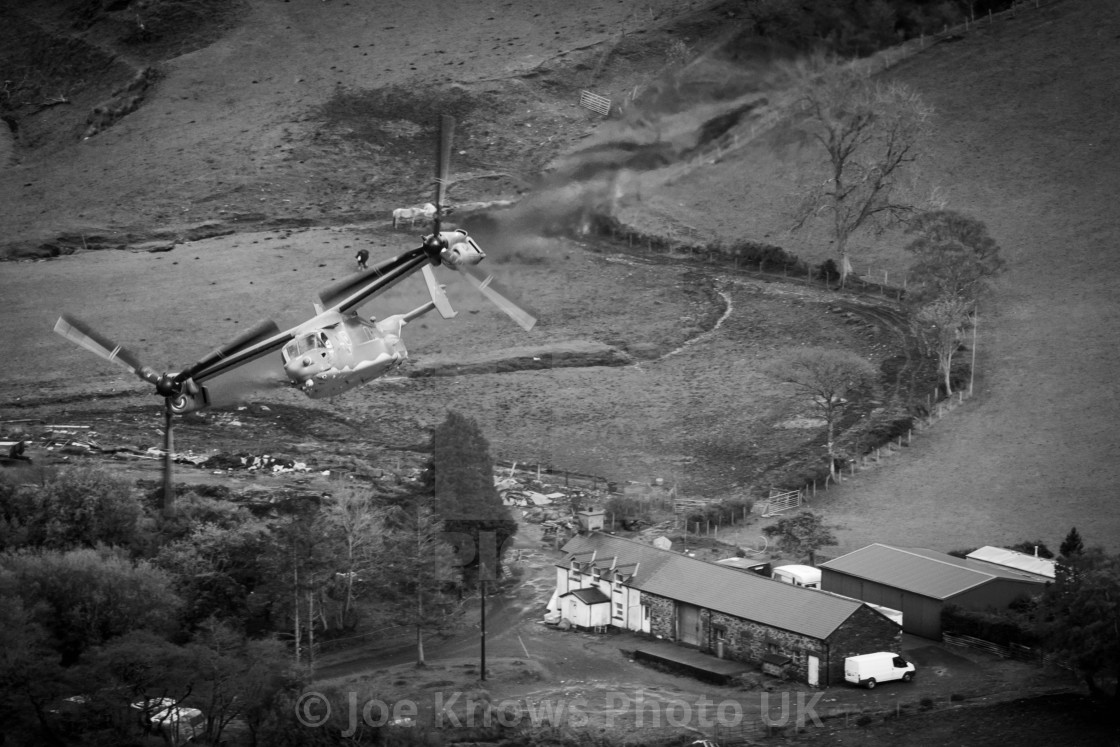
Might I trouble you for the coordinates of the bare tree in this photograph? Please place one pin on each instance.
(830, 378)
(421, 570)
(351, 519)
(868, 132)
(943, 323)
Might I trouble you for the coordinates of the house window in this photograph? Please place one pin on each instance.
(773, 648)
(618, 609)
(720, 633)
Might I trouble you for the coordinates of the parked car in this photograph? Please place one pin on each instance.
(868, 670)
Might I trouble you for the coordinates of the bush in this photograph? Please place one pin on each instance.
(828, 271)
(767, 256)
(996, 627)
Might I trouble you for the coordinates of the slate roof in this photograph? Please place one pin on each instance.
(589, 596)
(748, 596)
(920, 571)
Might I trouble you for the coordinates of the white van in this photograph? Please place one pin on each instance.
(869, 670)
(798, 575)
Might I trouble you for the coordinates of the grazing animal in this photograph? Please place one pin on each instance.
(402, 214)
(427, 212)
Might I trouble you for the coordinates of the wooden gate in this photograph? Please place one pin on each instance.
(779, 502)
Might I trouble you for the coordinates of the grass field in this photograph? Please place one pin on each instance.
(1024, 140)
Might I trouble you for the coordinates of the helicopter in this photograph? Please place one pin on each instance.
(334, 351)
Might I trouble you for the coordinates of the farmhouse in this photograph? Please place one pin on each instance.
(921, 582)
(720, 610)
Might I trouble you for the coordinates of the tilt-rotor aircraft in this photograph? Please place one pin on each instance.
(334, 351)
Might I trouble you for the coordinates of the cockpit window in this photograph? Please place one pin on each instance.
(303, 344)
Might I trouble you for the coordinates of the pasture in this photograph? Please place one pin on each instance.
(1024, 140)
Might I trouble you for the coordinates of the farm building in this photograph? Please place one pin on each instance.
(921, 582)
(1013, 559)
(720, 610)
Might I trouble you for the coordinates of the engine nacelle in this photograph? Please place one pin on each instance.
(189, 398)
(459, 249)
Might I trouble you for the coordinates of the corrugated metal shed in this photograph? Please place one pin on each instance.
(917, 570)
(744, 595)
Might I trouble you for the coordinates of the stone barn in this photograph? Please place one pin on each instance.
(723, 611)
(921, 582)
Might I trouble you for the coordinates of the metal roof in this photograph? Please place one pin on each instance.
(926, 572)
(1013, 559)
(748, 596)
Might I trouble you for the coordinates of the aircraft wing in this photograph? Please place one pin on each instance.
(225, 364)
(351, 292)
(245, 378)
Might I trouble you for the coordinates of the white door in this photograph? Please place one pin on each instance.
(814, 671)
(573, 612)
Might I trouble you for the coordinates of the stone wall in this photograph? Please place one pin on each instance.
(748, 641)
(662, 616)
(865, 632)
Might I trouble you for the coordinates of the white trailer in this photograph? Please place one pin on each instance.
(798, 575)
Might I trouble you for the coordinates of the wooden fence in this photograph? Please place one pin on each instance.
(1015, 651)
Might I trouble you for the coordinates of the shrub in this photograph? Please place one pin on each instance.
(721, 512)
(997, 627)
(828, 271)
(863, 720)
(767, 255)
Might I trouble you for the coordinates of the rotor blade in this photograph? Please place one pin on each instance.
(82, 334)
(501, 298)
(443, 166)
(263, 330)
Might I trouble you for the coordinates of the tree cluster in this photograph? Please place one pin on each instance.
(955, 261)
(104, 603)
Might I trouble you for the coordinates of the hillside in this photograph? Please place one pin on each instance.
(261, 131)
